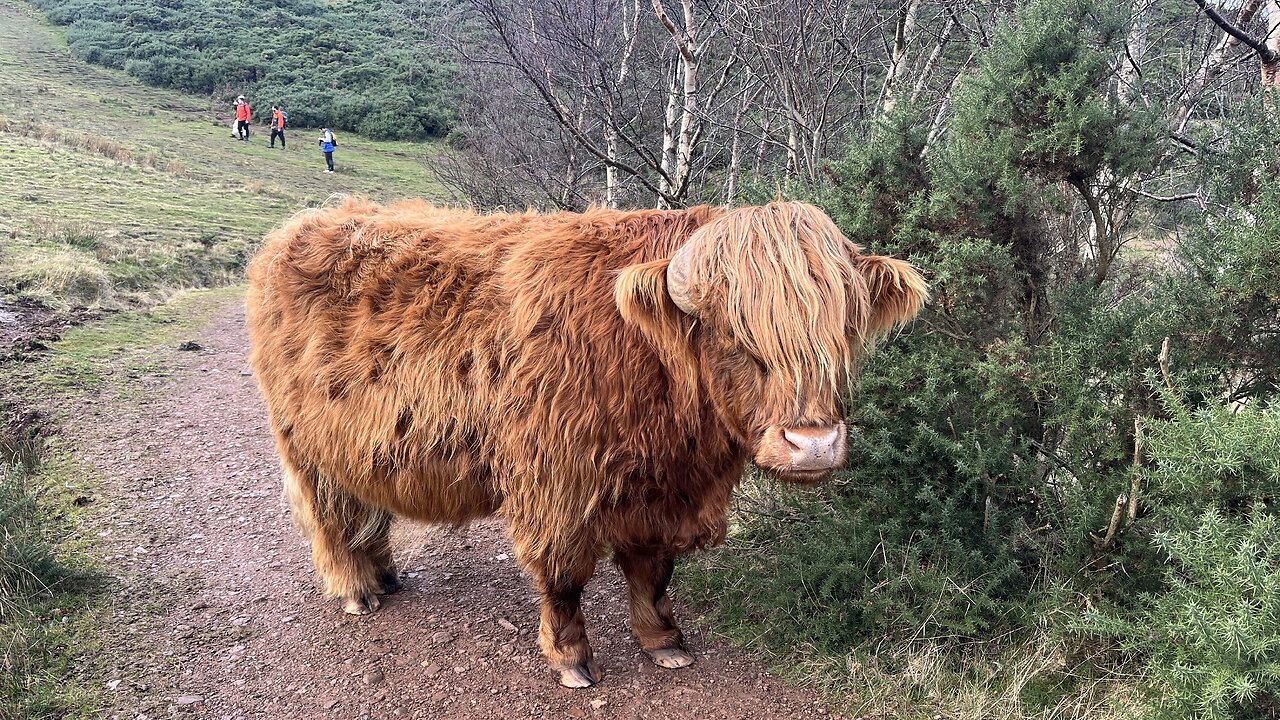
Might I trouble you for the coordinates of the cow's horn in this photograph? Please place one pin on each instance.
(678, 279)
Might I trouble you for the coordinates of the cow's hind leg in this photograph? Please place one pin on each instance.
(648, 573)
(562, 635)
(349, 540)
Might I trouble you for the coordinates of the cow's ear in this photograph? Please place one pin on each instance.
(641, 295)
(896, 291)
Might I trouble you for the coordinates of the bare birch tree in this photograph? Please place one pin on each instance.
(672, 102)
(904, 32)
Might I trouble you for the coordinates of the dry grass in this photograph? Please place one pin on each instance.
(73, 234)
(94, 144)
(61, 277)
(1035, 679)
(1039, 678)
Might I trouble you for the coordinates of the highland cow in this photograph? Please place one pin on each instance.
(598, 381)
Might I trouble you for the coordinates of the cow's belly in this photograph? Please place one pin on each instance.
(432, 490)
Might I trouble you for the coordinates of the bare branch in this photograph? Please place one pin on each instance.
(1267, 55)
(1170, 198)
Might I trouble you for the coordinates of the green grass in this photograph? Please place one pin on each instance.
(117, 193)
(48, 587)
(123, 345)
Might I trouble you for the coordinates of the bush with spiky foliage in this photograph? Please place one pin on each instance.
(990, 442)
(1208, 634)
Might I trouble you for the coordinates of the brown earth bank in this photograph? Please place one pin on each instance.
(27, 327)
(215, 611)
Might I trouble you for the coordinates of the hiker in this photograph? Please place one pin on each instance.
(243, 114)
(235, 116)
(327, 143)
(279, 118)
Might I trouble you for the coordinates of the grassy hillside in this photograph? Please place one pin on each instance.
(116, 192)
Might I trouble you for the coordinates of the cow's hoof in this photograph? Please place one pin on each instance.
(671, 657)
(581, 676)
(361, 604)
(389, 582)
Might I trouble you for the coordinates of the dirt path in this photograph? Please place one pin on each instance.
(218, 614)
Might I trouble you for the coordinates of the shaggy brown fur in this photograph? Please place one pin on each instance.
(444, 365)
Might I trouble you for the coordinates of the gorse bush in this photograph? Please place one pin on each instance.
(1209, 635)
(1212, 635)
(993, 444)
(351, 66)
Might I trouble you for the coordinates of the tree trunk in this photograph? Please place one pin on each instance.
(1271, 70)
(1135, 49)
(793, 148)
(669, 139)
(758, 165)
(898, 60)
(939, 124)
(735, 144)
(690, 55)
(610, 170)
(684, 146)
(630, 31)
(934, 57)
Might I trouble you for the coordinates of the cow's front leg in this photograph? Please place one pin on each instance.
(562, 635)
(648, 572)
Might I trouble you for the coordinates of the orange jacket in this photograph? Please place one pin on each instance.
(277, 119)
(242, 111)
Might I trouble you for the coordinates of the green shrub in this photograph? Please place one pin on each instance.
(1209, 636)
(350, 66)
(991, 441)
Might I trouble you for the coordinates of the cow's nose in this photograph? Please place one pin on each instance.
(816, 448)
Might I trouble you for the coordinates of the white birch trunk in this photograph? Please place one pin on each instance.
(684, 147)
(932, 62)
(898, 61)
(669, 141)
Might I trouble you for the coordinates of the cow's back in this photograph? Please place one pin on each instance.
(359, 318)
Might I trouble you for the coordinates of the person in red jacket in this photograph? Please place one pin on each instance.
(243, 113)
(279, 118)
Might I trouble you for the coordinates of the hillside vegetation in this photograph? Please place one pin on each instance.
(1063, 474)
(117, 192)
(347, 65)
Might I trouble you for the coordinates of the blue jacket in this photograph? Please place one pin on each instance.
(326, 141)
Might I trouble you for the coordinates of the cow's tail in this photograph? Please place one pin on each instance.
(350, 542)
(319, 503)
